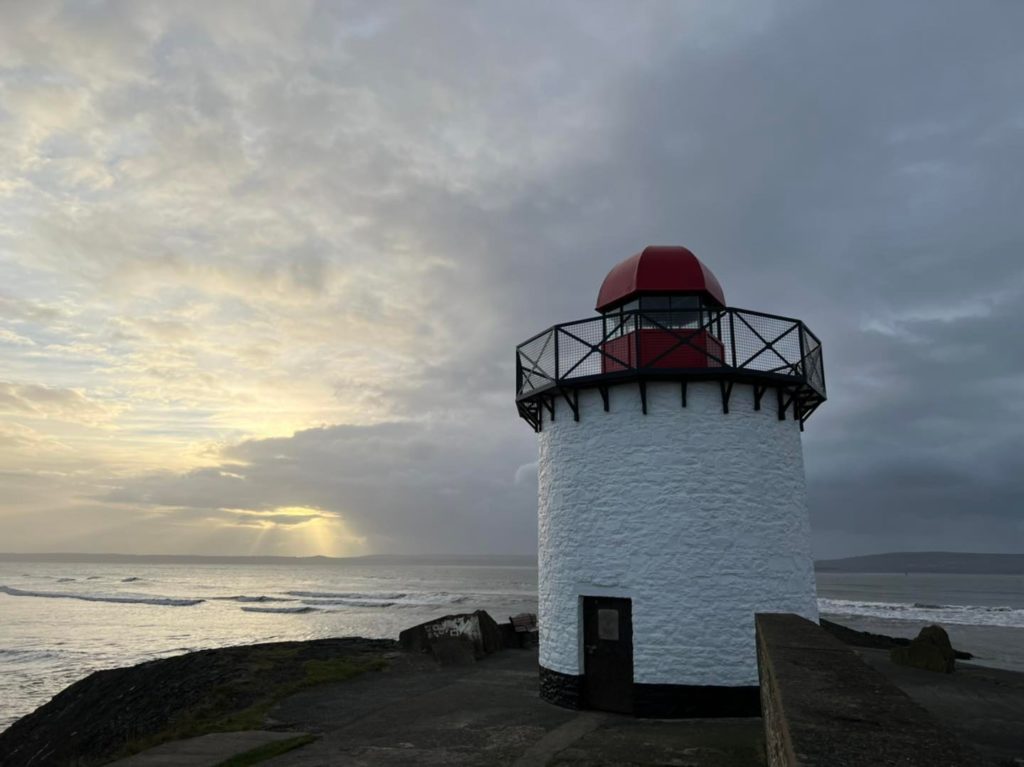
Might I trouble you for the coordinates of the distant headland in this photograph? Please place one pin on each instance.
(481, 560)
(950, 562)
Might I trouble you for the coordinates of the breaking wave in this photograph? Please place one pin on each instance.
(344, 595)
(966, 615)
(361, 599)
(349, 602)
(261, 598)
(140, 599)
(307, 601)
(303, 609)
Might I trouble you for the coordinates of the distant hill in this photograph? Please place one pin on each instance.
(482, 560)
(926, 562)
(895, 562)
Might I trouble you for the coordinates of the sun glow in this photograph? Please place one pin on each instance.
(298, 531)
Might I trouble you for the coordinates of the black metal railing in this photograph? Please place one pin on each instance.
(727, 343)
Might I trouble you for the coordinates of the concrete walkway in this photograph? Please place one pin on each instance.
(204, 751)
(489, 713)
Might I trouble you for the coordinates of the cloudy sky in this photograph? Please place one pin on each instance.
(263, 266)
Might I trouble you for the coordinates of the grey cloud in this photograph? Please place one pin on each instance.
(842, 167)
(258, 519)
(427, 189)
(409, 487)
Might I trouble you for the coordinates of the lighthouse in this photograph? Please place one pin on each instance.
(672, 501)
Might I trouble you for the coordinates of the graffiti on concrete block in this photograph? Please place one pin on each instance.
(456, 626)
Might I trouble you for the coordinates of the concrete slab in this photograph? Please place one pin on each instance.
(690, 743)
(205, 750)
(491, 714)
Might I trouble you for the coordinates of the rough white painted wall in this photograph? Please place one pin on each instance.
(700, 517)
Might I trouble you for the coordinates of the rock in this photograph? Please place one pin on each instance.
(930, 650)
(878, 641)
(478, 628)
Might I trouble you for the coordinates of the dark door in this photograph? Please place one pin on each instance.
(608, 653)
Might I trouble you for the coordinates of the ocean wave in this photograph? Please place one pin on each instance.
(428, 600)
(303, 609)
(344, 595)
(261, 598)
(349, 602)
(33, 654)
(140, 599)
(371, 599)
(964, 615)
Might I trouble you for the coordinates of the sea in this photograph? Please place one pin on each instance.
(62, 621)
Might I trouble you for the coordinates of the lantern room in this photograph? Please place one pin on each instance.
(656, 306)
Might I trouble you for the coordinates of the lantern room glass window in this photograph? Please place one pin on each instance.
(670, 311)
(651, 312)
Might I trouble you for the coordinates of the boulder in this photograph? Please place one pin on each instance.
(930, 650)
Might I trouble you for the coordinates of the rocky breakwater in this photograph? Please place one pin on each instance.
(114, 713)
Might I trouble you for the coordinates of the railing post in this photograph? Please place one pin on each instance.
(821, 368)
(557, 380)
(732, 334)
(803, 352)
(637, 326)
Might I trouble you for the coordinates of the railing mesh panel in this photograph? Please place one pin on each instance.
(537, 362)
(683, 341)
(767, 344)
(579, 349)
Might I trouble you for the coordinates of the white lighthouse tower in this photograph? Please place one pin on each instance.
(672, 503)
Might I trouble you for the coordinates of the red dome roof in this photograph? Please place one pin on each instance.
(658, 269)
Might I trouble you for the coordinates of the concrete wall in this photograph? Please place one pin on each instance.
(822, 705)
(699, 517)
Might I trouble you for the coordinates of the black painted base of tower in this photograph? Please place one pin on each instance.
(660, 701)
(563, 690)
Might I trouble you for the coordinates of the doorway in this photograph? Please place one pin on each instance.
(608, 654)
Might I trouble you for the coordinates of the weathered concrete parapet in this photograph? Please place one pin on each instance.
(822, 705)
(476, 630)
